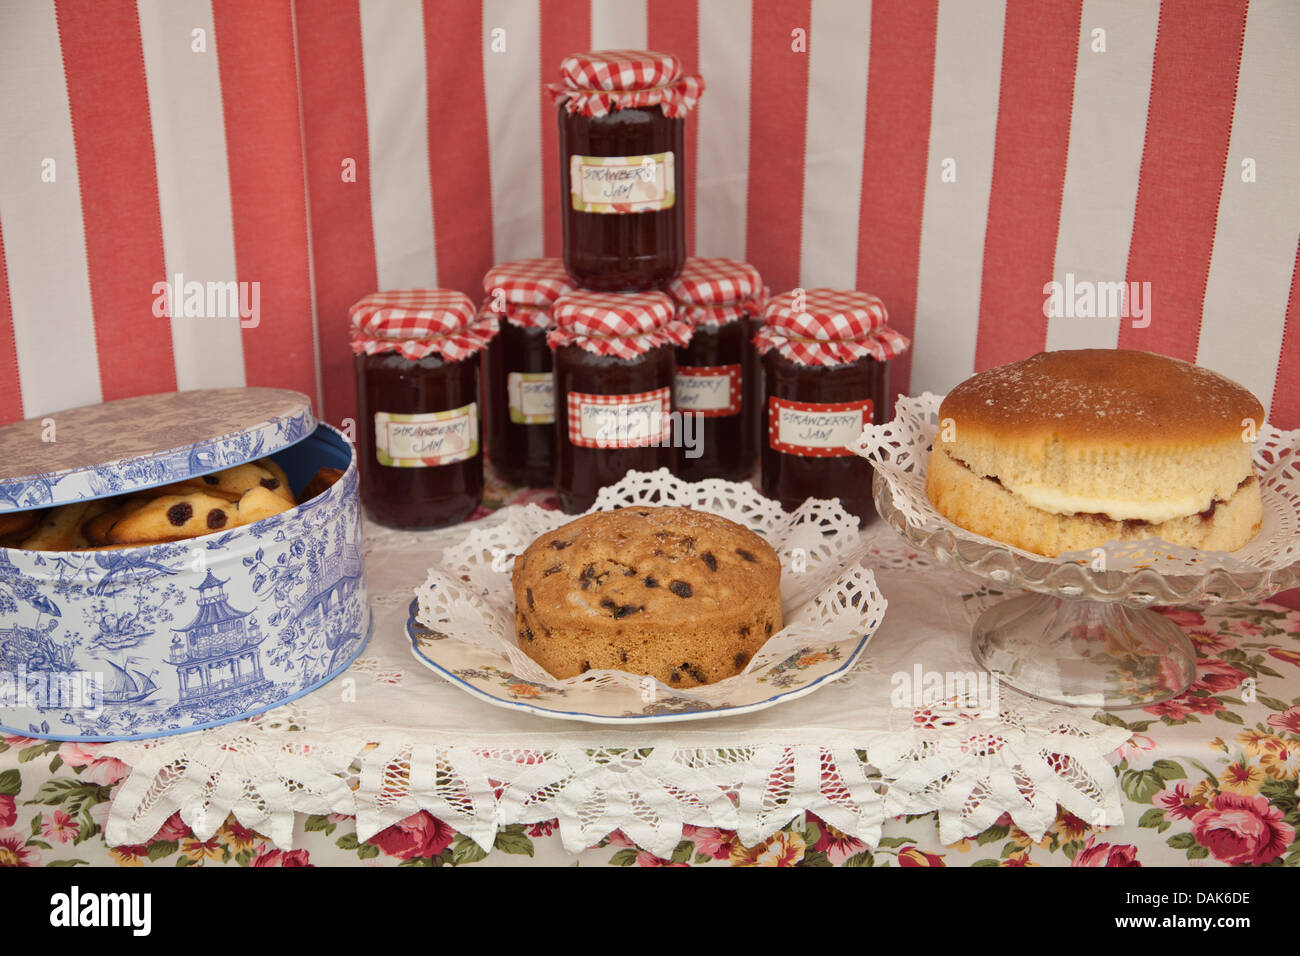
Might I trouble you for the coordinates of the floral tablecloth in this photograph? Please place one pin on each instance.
(1208, 778)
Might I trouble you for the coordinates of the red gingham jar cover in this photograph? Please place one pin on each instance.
(623, 324)
(523, 291)
(716, 291)
(595, 83)
(419, 322)
(828, 327)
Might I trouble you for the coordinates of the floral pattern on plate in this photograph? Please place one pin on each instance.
(478, 671)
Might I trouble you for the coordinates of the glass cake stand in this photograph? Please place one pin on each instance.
(1083, 636)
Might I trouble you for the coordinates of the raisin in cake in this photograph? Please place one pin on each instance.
(1068, 450)
(685, 596)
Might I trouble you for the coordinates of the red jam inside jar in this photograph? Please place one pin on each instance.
(517, 367)
(521, 416)
(716, 387)
(755, 380)
(622, 167)
(614, 367)
(711, 371)
(826, 375)
(605, 248)
(590, 391)
(810, 411)
(417, 367)
(425, 496)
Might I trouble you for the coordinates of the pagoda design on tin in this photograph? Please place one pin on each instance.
(327, 606)
(217, 655)
(340, 573)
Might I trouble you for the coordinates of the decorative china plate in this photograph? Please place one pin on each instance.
(481, 673)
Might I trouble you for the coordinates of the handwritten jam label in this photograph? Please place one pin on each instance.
(620, 421)
(712, 391)
(620, 184)
(532, 397)
(426, 439)
(816, 429)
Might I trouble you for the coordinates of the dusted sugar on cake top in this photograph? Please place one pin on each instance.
(685, 596)
(1067, 450)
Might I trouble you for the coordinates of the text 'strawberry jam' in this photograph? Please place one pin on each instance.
(417, 360)
(621, 117)
(614, 363)
(826, 359)
(717, 377)
(518, 384)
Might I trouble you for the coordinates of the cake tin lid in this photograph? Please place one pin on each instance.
(142, 442)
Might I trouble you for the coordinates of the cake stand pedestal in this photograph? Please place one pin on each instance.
(1086, 653)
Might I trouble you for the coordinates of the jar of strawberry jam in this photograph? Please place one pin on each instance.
(826, 359)
(417, 360)
(614, 363)
(716, 386)
(518, 385)
(622, 166)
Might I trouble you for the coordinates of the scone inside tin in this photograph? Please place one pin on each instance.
(684, 596)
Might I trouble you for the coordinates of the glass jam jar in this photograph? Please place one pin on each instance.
(614, 363)
(716, 385)
(826, 359)
(621, 117)
(755, 412)
(417, 361)
(518, 384)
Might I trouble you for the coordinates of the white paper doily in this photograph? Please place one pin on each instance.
(830, 603)
(900, 451)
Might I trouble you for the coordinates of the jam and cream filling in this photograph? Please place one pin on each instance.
(1057, 502)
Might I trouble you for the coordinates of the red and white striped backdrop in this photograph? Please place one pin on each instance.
(208, 138)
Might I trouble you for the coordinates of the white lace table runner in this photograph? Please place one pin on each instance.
(390, 738)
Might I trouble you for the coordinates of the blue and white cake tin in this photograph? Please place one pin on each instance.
(162, 639)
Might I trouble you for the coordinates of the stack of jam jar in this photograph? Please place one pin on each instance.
(623, 354)
(622, 117)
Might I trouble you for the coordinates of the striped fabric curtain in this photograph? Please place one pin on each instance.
(954, 157)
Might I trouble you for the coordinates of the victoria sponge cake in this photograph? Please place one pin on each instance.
(1067, 450)
(681, 595)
